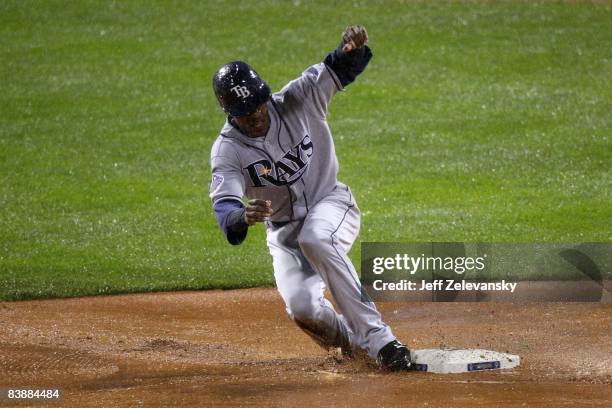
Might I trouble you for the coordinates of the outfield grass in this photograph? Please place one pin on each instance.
(475, 121)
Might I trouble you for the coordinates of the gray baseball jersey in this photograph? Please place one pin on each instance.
(294, 165)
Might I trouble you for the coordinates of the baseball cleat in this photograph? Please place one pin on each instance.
(395, 357)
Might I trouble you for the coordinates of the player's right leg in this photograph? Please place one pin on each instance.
(302, 290)
(325, 237)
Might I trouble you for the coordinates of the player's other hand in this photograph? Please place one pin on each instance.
(257, 211)
(354, 37)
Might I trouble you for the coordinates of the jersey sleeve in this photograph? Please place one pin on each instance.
(226, 192)
(227, 180)
(315, 88)
(320, 82)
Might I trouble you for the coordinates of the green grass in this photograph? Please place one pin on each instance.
(476, 121)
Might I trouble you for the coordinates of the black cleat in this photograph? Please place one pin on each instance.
(395, 357)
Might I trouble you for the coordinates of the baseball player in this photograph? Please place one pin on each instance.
(277, 150)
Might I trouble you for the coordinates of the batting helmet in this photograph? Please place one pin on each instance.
(239, 88)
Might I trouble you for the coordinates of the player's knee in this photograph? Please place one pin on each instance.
(313, 241)
(301, 306)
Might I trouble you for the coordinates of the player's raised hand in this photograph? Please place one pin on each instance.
(354, 37)
(257, 211)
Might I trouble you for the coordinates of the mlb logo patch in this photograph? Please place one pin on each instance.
(216, 182)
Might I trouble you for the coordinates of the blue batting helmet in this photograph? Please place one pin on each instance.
(239, 89)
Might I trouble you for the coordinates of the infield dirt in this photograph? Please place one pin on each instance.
(239, 347)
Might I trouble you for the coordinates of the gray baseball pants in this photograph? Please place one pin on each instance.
(311, 254)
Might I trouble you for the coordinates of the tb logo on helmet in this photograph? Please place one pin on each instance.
(241, 91)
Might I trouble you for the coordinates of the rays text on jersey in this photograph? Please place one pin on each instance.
(285, 171)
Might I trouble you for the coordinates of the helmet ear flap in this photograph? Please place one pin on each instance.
(239, 89)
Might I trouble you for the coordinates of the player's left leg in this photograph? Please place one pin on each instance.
(327, 234)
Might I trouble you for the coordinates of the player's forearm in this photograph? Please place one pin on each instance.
(230, 217)
(348, 65)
